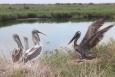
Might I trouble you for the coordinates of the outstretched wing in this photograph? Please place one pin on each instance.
(33, 53)
(26, 43)
(18, 41)
(17, 53)
(93, 28)
(96, 38)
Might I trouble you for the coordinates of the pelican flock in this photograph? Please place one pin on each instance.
(92, 37)
(26, 54)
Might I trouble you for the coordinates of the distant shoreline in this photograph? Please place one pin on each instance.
(57, 11)
(89, 3)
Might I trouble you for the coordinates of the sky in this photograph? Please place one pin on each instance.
(55, 1)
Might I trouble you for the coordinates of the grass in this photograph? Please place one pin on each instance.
(59, 64)
(56, 11)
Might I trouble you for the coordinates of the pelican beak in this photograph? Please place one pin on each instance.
(42, 33)
(76, 36)
(72, 39)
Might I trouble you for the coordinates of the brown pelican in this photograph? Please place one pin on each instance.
(17, 53)
(33, 52)
(93, 36)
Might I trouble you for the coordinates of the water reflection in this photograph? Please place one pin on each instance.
(58, 34)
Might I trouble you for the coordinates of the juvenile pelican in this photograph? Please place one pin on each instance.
(36, 49)
(17, 53)
(93, 36)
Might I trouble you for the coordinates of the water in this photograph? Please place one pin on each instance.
(58, 34)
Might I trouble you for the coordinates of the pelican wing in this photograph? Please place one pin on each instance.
(17, 53)
(18, 41)
(96, 38)
(93, 28)
(33, 53)
(26, 43)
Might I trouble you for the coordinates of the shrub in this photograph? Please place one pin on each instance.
(32, 15)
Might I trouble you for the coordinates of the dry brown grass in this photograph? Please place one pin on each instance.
(32, 69)
(59, 64)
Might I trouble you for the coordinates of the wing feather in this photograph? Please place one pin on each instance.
(93, 28)
(96, 38)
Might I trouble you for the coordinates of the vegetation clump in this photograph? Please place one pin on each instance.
(61, 64)
(56, 11)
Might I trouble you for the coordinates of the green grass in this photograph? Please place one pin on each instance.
(59, 64)
(56, 11)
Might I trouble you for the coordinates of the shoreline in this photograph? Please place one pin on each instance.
(56, 11)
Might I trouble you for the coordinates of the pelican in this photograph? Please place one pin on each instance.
(17, 53)
(93, 36)
(33, 52)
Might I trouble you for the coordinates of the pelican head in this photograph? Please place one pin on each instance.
(76, 36)
(37, 31)
(35, 36)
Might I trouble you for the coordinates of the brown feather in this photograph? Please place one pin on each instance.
(91, 39)
(93, 28)
(17, 53)
(96, 38)
(18, 41)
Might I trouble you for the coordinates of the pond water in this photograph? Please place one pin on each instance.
(58, 34)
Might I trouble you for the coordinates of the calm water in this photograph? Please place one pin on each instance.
(58, 34)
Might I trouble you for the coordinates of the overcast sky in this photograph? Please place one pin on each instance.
(56, 1)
